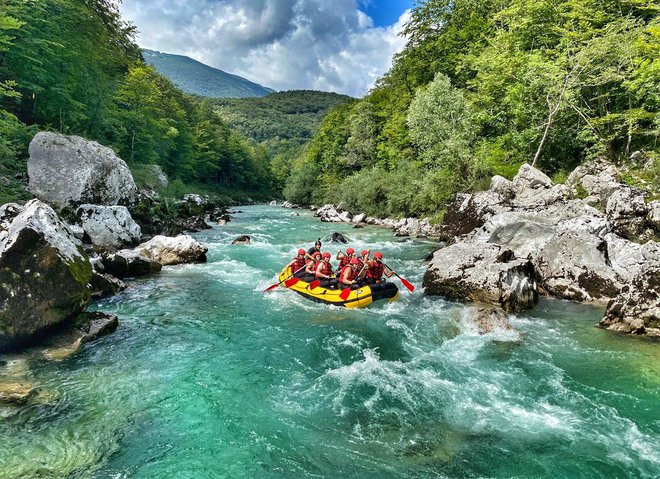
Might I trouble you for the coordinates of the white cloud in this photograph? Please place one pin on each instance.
(283, 44)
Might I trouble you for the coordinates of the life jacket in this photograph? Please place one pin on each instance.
(327, 269)
(344, 261)
(351, 274)
(376, 270)
(299, 263)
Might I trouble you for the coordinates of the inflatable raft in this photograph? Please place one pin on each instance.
(359, 298)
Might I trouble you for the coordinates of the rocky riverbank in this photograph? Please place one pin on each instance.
(591, 239)
(88, 229)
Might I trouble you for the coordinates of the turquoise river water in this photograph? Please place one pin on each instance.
(207, 377)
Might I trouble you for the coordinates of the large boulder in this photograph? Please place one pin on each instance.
(598, 178)
(484, 273)
(627, 210)
(109, 227)
(44, 275)
(575, 266)
(653, 217)
(70, 171)
(468, 212)
(127, 263)
(333, 214)
(167, 250)
(529, 177)
(408, 227)
(637, 309)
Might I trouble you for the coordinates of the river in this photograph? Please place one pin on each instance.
(207, 377)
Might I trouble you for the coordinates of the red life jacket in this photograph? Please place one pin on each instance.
(326, 270)
(376, 270)
(344, 261)
(351, 274)
(299, 263)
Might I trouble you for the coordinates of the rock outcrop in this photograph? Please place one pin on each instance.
(178, 250)
(490, 320)
(109, 227)
(636, 310)
(577, 238)
(334, 214)
(44, 275)
(483, 273)
(68, 171)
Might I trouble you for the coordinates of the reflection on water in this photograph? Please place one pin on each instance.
(209, 377)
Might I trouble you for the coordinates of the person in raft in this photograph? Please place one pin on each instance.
(316, 248)
(324, 272)
(298, 264)
(364, 256)
(348, 277)
(376, 269)
(345, 258)
(312, 264)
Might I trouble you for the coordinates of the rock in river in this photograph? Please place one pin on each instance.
(243, 239)
(636, 309)
(109, 227)
(178, 250)
(484, 273)
(127, 263)
(44, 275)
(70, 171)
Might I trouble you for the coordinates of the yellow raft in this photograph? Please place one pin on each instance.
(359, 298)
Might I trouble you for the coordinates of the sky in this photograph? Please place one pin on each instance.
(329, 45)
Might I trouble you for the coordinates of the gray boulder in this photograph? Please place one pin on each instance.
(359, 218)
(529, 177)
(575, 266)
(626, 210)
(502, 187)
(178, 250)
(484, 273)
(409, 227)
(109, 227)
(127, 263)
(598, 178)
(333, 214)
(637, 309)
(104, 285)
(70, 171)
(44, 275)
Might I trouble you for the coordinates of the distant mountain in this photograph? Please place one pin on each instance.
(199, 79)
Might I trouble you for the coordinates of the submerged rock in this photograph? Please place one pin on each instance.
(17, 392)
(44, 275)
(127, 263)
(489, 320)
(244, 239)
(168, 251)
(109, 227)
(336, 238)
(485, 273)
(89, 327)
(70, 171)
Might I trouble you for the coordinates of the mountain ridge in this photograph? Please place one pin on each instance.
(197, 78)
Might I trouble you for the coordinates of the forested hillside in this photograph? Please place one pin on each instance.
(72, 66)
(482, 87)
(197, 78)
(281, 122)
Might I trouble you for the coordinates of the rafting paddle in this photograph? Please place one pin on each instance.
(405, 282)
(287, 282)
(314, 284)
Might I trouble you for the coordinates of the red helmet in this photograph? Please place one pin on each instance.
(378, 255)
(350, 251)
(326, 255)
(316, 253)
(301, 251)
(355, 261)
(364, 252)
